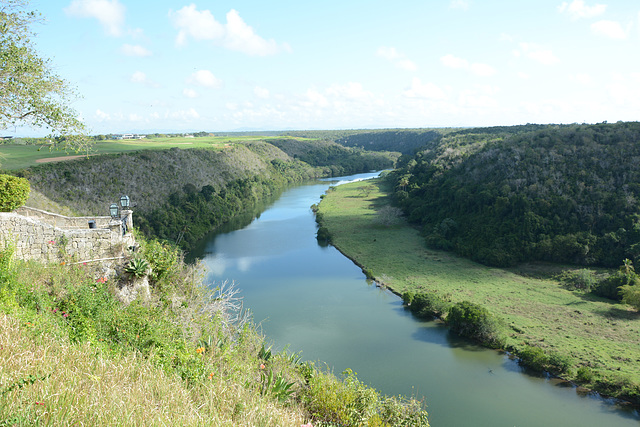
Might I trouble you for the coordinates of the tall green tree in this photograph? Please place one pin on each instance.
(31, 93)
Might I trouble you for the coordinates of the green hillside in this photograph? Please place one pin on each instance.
(511, 194)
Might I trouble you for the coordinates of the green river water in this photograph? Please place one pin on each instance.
(314, 300)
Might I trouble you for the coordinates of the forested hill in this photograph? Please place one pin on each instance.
(504, 195)
(405, 141)
(181, 194)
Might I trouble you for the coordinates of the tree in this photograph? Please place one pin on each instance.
(30, 92)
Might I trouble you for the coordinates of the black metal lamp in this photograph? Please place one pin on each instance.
(113, 210)
(124, 202)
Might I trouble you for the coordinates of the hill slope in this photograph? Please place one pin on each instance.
(505, 195)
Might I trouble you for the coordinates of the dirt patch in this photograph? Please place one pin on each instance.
(60, 159)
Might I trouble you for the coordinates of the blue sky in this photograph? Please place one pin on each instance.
(177, 66)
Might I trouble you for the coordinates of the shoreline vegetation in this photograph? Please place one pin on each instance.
(187, 354)
(590, 341)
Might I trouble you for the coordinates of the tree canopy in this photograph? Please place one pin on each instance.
(30, 92)
(504, 195)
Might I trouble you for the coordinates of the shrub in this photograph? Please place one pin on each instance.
(476, 322)
(14, 192)
(584, 374)
(533, 357)
(137, 267)
(580, 280)
(426, 305)
(352, 403)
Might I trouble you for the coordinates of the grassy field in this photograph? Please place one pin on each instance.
(14, 156)
(534, 309)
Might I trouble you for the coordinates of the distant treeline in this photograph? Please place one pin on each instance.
(504, 195)
(405, 141)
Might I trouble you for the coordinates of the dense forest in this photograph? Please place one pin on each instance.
(561, 193)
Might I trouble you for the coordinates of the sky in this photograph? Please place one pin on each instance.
(173, 66)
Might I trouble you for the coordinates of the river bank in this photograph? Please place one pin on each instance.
(597, 336)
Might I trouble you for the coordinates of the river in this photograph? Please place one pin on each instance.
(312, 299)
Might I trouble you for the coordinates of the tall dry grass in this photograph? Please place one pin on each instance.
(86, 386)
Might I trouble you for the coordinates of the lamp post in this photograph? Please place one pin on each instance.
(124, 202)
(113, 210)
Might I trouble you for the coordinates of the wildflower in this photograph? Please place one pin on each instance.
(62, 263)
(40, 403)
(65, 314)
(262, 366)
(28, 323)
(200, 350)
(55, 310)
(51, 242)
(307, 425)
(211, 375)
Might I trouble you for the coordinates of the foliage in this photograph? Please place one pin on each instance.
(552, 193)
(474, 321)
(137, 267)
(337, 159)
(351, 403)
(14, 192)
(195, 347)
(573, 328)
(30, 92)
(580, 280)
(426, 305)
(611, 286)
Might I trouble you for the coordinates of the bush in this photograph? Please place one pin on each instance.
(351, 403)
(579, 280)
(14, 192)
(474, 321)
(584, 375)
(533, 357)
(425, 305)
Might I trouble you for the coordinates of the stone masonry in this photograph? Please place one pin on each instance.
(48, 237)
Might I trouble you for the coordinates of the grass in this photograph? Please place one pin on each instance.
(73, 354)
(15, 156)
(534, 309)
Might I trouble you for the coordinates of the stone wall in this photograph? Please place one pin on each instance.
(49, 237)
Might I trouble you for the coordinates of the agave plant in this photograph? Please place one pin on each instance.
(137, 267)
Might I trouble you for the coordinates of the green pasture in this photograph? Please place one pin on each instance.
(17, 156)
(596, 333)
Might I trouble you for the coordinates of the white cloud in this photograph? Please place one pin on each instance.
(454, 62)
(391, 54)
(139, 77)
(189, 114)
(135, 50)
(110, 13)
(459, 4)
(537, 53)
(482, 70)
(610, 29)
(261, 92)
(425, 90)
(523, 75)
(190, 93)
(101, 116)
(407, 65)
(578, 9)
(234, 35)
(476, 68)
(582, 78)
(351, 90)
(204, 78)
